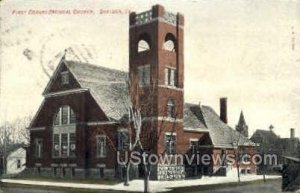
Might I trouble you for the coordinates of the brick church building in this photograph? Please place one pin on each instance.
(80, 124)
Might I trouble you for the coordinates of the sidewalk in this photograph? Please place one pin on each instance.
(138, 185)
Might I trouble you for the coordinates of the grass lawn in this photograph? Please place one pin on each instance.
(17, 187)
(218, 186)
(75, 180)
(197, 189)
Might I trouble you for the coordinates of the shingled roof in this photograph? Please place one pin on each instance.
(264, 135)
(193, 118)
(107, 86)
(98, 74)
(204, 118)
(109, 89)
(12, 147)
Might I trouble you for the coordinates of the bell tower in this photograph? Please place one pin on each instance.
(156, 66)
(156, 70)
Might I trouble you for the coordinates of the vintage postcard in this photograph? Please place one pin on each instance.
(149, 96)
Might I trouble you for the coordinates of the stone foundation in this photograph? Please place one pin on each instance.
(157, 172)
(70, 172)
(170, 172)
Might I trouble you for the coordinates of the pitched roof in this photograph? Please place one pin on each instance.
(109, 89)
(267, 135)
(98, 74)
(204, 118)
(193, 118)
(242, 119)
(295, 159)
(107, 86)
(12, 147)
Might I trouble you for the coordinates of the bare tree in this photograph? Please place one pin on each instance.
(139, 101)
(143, 101)
(134, 119)
(262, 150)
(132, 123)
(236, 145)
(14, 132)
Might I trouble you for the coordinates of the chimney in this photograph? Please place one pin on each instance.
(292, 133)
(223, 110)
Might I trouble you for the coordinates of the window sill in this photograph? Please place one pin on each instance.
(143, 51)
(170, 87)
(171, 118)
(72, 157)
(65, 125)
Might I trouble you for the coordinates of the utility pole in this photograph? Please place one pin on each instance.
(4, 138)
(5, 144)
(4, 150)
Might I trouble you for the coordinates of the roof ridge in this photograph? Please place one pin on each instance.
(107, 82)
(94, 65)
(188, 103)
(264, 130)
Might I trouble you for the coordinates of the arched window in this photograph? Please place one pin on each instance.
(144, 43)
(170, 43)
(143, 46)
(65, 115)
(171, 108)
